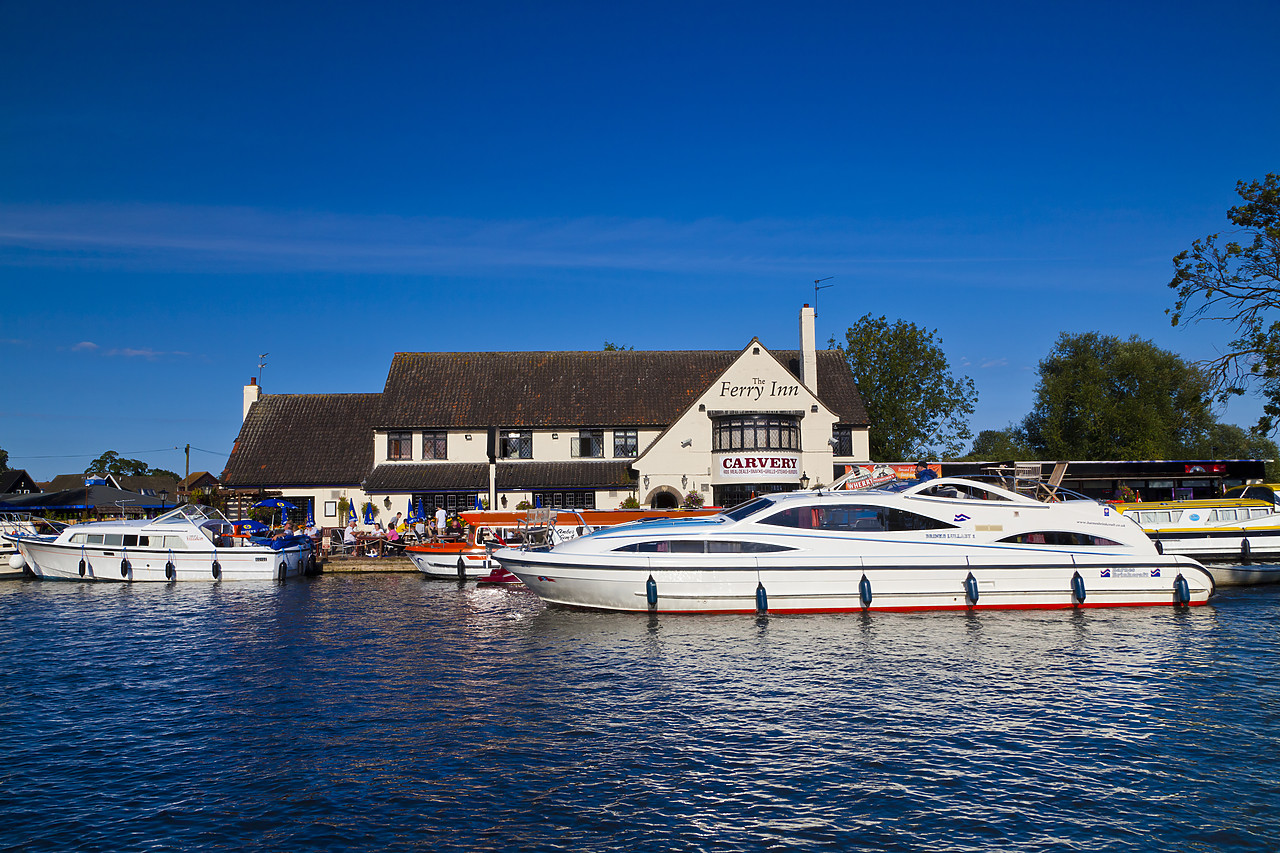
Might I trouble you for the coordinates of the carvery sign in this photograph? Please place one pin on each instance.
(759, 468)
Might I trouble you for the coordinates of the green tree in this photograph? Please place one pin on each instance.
(1100, 397)
(609, 346)
(1228, 441)
(916, 407)
(111, 463)
(1237, 281)
(4, 460)
(994, 445)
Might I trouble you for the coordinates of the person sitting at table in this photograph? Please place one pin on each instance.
(454, 527)
(286, 531)
(432, 531)
(393, 535)
(349, 535)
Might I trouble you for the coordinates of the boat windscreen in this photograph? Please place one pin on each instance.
(743, 510)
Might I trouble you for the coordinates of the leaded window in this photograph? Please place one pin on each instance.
(435, 444)
(755, 432)
(588, 445)
(399, 445)
(626, 443)
(516, 444)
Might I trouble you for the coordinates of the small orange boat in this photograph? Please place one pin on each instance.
(489, 529)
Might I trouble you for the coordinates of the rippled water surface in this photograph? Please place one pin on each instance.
(390, 712)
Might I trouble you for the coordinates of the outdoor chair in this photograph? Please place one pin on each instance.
(336, 545)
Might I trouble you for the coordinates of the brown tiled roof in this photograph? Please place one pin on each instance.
(304, 440)
(548, 389)
(474, 476)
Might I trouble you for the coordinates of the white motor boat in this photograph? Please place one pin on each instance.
(1239, 538)
(11, 563)
(947, 543)
(190, 543)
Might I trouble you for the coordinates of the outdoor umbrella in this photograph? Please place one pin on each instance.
(479, 503)
(250, 526)
(368, 513)
(409, 516)
(311, 513)
(274, 503)
(537, 501)
(421, 515)
(352, 514)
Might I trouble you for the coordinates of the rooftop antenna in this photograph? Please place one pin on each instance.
(816, 288)
(262, 362)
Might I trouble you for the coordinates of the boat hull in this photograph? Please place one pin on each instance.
(840, 585)
(441, 561)
(52, 561)
(1237, 546)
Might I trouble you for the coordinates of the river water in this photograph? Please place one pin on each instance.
(390, 712)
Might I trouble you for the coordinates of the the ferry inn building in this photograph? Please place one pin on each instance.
(560, 429)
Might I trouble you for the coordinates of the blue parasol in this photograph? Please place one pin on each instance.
(352, 513)
(479, 503)
(537, 501)
(274, 503)
(250, 526)
(422, 516)
(409, 516)
(311, 514)
(368, 513)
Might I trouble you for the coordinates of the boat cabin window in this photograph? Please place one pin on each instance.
(854, 518)
(1058, 537)
(742, 511)
(698, 546)
(963, 491)
(1158, 517)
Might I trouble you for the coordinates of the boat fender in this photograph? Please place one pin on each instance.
(1077, 588)
(284, 570)
(864, 591)
(971, 588)
(1181, 590)
(124, 567)
(217, 570)
(651, 592)
(1246, 552)
(1159, 547)
(170, 573)
(462, 569)
(83, 565)
(762, 599)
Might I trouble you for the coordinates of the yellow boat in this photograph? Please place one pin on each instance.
(1241, 528)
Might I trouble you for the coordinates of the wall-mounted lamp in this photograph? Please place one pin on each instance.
(646, 481)
(555, 435)
(504, 501)
(814, 407)
(684, 481)
(468, 436)
(834, 444)
(686, 442)
(804, 482)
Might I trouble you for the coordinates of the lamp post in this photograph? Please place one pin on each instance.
(164, 497)
(804, 482)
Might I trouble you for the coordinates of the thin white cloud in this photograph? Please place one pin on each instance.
(995, 362)
(226, 238)
(84, 346)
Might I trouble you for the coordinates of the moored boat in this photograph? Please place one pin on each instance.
(946, 543)
(1237, 537)
(190, 543)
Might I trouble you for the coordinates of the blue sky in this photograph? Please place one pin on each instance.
(185, 186)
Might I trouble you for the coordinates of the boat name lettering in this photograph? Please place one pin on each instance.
(948, 536)
(193, 537)
(1128, 572)
(758, 388)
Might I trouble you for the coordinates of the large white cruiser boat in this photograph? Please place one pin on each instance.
(946, 543)
(190, 543)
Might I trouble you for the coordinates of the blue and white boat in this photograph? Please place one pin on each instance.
(946, 543)
(190, 543)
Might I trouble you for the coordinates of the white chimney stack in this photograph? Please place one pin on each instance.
(251, 394)
(808, 349)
